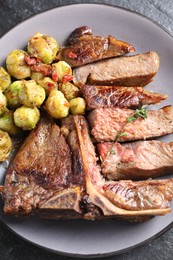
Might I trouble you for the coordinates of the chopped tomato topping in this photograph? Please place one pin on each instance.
(38, 59)
(29, 60)
(44, 68)
(66, 104)
(55, 76)
(67, 78)
(72, 55)
(11, 95)
(50, 85)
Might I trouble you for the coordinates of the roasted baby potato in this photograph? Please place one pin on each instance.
(43, 47)
(61, 72)
(12, 94)
(48, 84)
(77, 106)
(5, 79)
(31, 94)
(37, 76)
(69, 90)
(3, 102)
(26, 117)
(16, 65)
(5, 145)
(7, 123)
(57, 105)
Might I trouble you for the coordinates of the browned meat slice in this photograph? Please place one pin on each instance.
(113, 96)
(137, 70)
(38, 177)
(123, 198)
(138, 160)
(137, 196)
(35, 183)
(88, 48)
(107, 123)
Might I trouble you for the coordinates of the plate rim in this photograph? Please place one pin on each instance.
(127, 249)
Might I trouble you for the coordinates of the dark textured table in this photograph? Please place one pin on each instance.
(11, 13)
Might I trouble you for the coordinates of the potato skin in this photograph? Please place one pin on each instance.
(12, 94)
(48, 84)
(3, 103)
(60, 70)
(57, 105)
(5, 145)
(43, 47)
(31, 94)
(77, 106)
(26, 117)
(7, 123)
(16, 65)
(5, 79)
(69, 90)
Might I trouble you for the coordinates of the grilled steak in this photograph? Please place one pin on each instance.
(113, 96)
(122, 198)
(107, 123)
(138, 160)
(38, 177)
(34, 183)
(137, 70)
(88, 48)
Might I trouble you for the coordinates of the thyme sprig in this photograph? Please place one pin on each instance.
(137, 113)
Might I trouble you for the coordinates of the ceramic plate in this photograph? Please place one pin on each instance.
(108, 237)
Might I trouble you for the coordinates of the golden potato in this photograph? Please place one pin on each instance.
(43, 47)
(16, 65)
(7, 123)
(12, 94)
(56, 104)
(77, 106)
(69, 90)
(5, 79)
(3, 102)
(37, 76)
(5, 145)
(48, 84)
(31, 94)
(61, 71)
(26, 117)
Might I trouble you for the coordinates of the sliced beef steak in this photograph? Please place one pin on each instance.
(137, 160)
(38, 177)
(138, 196)
(88, 48)
(137, 70)
(123, 198)
(117, 96)
(33, 186)
(107, 123)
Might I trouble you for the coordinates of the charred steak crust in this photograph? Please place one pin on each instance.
(88, 48)
(117, 96)
(40, 169)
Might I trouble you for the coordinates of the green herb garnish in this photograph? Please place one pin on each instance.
(138, 113)
(120, 135)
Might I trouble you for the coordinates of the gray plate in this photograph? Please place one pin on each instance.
(99, 238)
